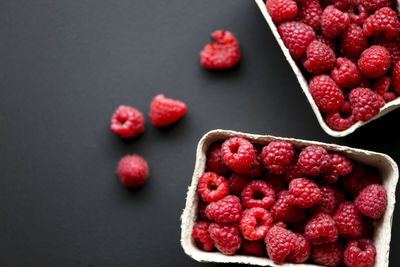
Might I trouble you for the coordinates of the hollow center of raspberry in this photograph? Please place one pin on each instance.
(257, 195)
(260, 222)
(234, 149)
(122, 118)
(212, 186)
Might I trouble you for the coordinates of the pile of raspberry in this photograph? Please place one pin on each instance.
(291, 204)
(348, 49)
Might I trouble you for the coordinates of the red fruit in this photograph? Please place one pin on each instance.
(343, 4)
(225, 210)
(282, 10)
(165, 111)
(389, 96)
(353, 41)
(372, 201)
(345, 74)
(359, 253)
(329, 42)
(279, 242)
(293, 171)
(280, 224)
(258, 193)
(383, 23)
(381, 85)
(339, 121)
(296, 36)
(374, 61)
(333, 22)
(393, 46)
(314, 160)
(310, 12)
(226, 237)
(212, 187)
(341, 163)
(359, 17)
(326, 93)
(301, 251)
(283, 211)
(358, 180)
(319, 57)
(348, 220)
(365, 103)
(277, 156)
(236, 183)
(321, 229)
(132, 171)
(304, 193)
(373, 5)
(215, 162)
(396, 78)
(255, 223)
(327, 203)
(330, 255)
(238, 153)
(127, 122)
(201, 236)
(275, 181)
(253, 248)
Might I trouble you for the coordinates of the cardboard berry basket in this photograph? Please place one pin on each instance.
(386, 167)
(304, 84)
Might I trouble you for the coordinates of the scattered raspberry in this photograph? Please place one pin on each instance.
(329, 42)
(282, 10)
(305, 193)
(383, 23)
(396, 78)
(381, 85)
(321, 229)
(393, 46)
(327, 203)
(236, 183)
(225, 210)
(165, 111)
(318, 58)
(202, 210)
(293, 171)
(257, 168)
(283, 211)
(277, 156)
(253, 248)
(348, 220)
(296, 36)
(374, 61)
(258, 193)
(201, 236)
(275, 181)
(360, 16)
(330, 255)
(301, 250)
(353, 41)
(359, 253)
(333, 22)
(255, 223)
(389, 96)
(280, 242)
(238, 153)
(365, 103)
(373, 5)
(215, 162)
(310, 12)
(314, 160)
(132, 171)
(223, 54)
(226, 237)
(326, 94)
(212, 187)
(127, 122)
(372, 201)
(345, 73)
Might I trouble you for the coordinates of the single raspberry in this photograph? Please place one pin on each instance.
(321, 229)
(340, 196)
(301, 251)
(277, 156)
(296, 36)
(345, 73)
(258, 193)
(365, 103)
(202, 210)
(226, 237)
(329, 42)
(326, 93)
(393, 46)
(132, 171)
(360, 16)
(127, 122)
(238, 153)
(275, 181)
(372, 5)
(305, 193)
(327, 203)
(236, 183)
(212, 187)
(368, 179)
(343, 4)
(165, 111)
(283, 211)
(310, 12)
(318, 58)
(282, 10)
(255, 223)
(348, 220)
(201, 236)
(372, 201)
(353, 41)
(257, 168)
(341, 163)
(331, 176)
(396, 78)
(333, 22)
(280, 224)
(368, 227)
(389, 96)
(279, 242)
(253, 248)
(293, 171)
(314, 160)
(330, 255)
(223, 54)
(359, 253)
(381, 85)
(225, 210)
(215, 162)
(383, 23)
(374, 61)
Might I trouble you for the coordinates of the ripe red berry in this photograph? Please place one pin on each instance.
(132, 171)
(310, 12)
(372, 201)
(296, 36)
(212, 187)
(215, 162)
(396, 77)
(236, 183)
(338, 122)
(201, 236)
(348, 220)
(326, 93)
(277, 156)
(330, 255)
(383, 23)
(283, 211)
(333, 22)
(314, 160)
(327, 203)
(341, 163)
(389, 96)
(358, 17)
(226, 237)
(258, 193)
(301, 251)
(321, 229)
(225, 210)
(353, 41)
(365, 103)
(239, 154)
(318, 58)
(329, 42)
(393, 46)
(345, 74)
(165, 111)
(279, 242)
(360, 252)
(127, 122)
(293, 171)
(381, 85)
(304, 193)
(282, 10)
(374, 61)
(372, 5)
(255, 223)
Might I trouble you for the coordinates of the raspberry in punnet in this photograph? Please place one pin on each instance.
(304, 193)
(372, 5)
(348, 220)
(345, 73)
(389, 96)
(236, 183)
(127, 122)
(258, 193)
(201, 236)
(374, 61)
(282, 10)
(132, 171)
(358, 17)
(396, 77)
(277, 156)
(344, 5)
(280, 242)
(255, 223)
(381, 85)
(326, 93)
(212, 187)
(301, 251)
(341, 163)
(215, 162)
(253, 248)
(226, 237)
(327, 203)
(225, 210)
(238, 153)
(318, 58)
(223, 54)
(293, 171)
(296, 36)
(330, 255)
(365, 103)
(333, 22)
(329, 42)
(383, 23)
(353, 41)
(314, 160)
(165, 111)
(360, 252)
(372, 201)
(321, 229)
(358, 180)
(339, 122)
(283, 211)
(310, 12)
(393, 46)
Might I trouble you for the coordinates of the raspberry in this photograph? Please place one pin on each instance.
(341, 163)
(331, 176)
(223, 54)
(226, 237)
(201, 236)
(358, 180)
(372, 5)
(280, 224)
(305, 193)
(283, 211)
(360, 17)
(345, 73)
(127, 122)
(275, 181)
(236, 183)
(258, 193)
(393, 46)
(359, 253)
(202, 210)
(396, 78)
(296, 36)
(329, 42)
(282, 10)
(389, 96)
(374, 61)
(165, 111)
(353, 41)
(372, 201)
(212, 187)
(326, 94)
(314, 160)
(132, 171)
(301, 252)
(310, 12)
(319, 57)
(327, 203)
(333, 22)
(277, 156)
(238, 154)
(280, 242)
(343, 4)
(348, 220)
(255, 223)
(253, 248)
(258, 168)
(321, 229)
(383, 23)
(330, 255)
(365, 103)
(215, 162)
(225, 210)
(293, 171)
(381, 85)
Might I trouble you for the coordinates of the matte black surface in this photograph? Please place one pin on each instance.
(66, 65)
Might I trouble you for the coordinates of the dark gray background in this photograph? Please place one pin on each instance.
(66, 65)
